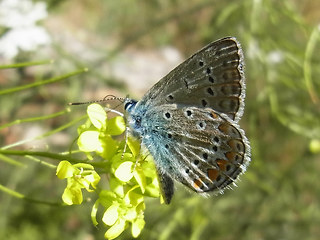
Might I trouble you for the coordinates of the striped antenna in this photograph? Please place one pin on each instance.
(105, 99)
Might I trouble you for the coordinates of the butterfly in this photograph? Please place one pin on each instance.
(188, 121)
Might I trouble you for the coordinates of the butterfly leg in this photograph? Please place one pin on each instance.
(114, 111)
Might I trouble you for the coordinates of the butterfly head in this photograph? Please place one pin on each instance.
(134, 116)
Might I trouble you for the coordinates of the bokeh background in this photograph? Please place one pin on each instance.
(128, 46)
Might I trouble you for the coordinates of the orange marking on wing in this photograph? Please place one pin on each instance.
(236, 145)
(234, 157)
(229, 130)
(214, 115)
(231, 156)
(224, 128)
(222, 164)
(197, 184)
(213, 174)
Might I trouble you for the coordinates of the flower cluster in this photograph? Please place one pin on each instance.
(130, 176)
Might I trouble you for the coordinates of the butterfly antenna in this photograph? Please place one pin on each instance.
(112, 97)
(105, 99)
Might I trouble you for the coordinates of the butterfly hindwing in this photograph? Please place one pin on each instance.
(200, 148)
(166, 186)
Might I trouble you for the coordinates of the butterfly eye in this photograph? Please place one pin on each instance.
(131, 103)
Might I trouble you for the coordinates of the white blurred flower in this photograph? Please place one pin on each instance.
(254, 50)
(275, 57)
(20, 16)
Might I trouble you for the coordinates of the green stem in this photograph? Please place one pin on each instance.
(11, 192)
(54, 156)
(310, 50)
(18, 121)
(21, 196)
(11, 161)
(45, 134)
(59, 129)
(39, 83)
(26, 64)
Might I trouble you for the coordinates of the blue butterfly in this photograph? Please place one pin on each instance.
(188, 121)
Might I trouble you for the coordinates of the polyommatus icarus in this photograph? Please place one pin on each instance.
(189, 120)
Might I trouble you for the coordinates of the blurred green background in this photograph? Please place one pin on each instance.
(129, 45)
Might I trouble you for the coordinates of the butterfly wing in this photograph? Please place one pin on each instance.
(203, 149)
(188, 120)
(211, 78)
(166, 186)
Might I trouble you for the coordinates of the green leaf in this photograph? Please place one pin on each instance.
(97, 115)
(89, 142)
(116, 126)
(65, 170)
(116, 229)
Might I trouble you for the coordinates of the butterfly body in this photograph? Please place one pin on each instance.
(188, 121)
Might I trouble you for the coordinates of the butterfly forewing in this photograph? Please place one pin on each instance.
(212, 77)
